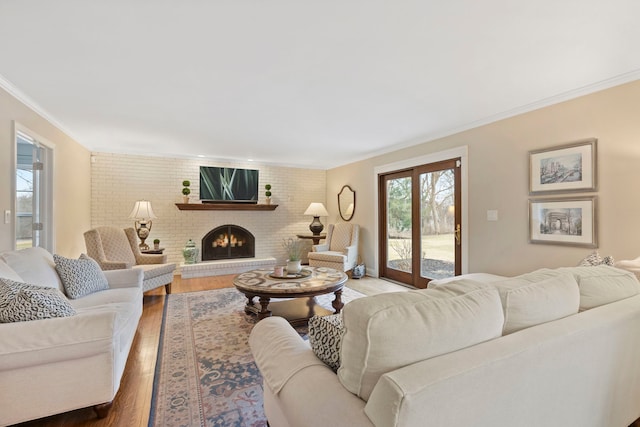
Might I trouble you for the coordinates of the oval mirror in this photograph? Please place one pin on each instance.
(346, 203)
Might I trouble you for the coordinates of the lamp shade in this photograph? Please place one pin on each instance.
(142, 211)
(316, 209)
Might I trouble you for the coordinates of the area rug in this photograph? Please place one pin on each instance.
(205, 374)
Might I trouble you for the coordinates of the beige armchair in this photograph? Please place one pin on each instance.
(114, 249)
(340, 250)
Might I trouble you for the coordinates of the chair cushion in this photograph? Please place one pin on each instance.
(20, 302)
(81, 276)
(528, 304)
(325, 336)
(155, 270)
(388, 331)
(330, 256)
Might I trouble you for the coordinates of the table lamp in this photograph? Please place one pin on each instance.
(316, 210)
(143, 214)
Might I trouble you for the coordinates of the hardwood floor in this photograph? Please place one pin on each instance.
(133, 401)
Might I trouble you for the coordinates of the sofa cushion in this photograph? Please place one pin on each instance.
(388, 331)
(325, 336)
(33, 265)
(476, 277)
(118, 295)
(81, 276)
(603, 284)
(20, 302)
(528, 304)
(599, 285)
(7, 272)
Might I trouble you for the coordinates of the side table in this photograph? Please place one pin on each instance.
(153, 251)
(316, 238)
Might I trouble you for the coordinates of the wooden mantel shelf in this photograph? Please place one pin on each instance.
(224, 207)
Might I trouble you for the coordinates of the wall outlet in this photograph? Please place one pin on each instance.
(7, 217)
(492, 215)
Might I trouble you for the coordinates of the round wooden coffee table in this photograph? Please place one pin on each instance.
(300, 290)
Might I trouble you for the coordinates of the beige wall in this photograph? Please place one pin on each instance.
(72, 175)
(498, 179)
(119, 180)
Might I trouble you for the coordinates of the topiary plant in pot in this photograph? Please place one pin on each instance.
(186, 191)
(268, 194)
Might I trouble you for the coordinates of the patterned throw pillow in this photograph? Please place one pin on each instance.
(325, 337)
(596, 259)
(21, 302)
(81, 276)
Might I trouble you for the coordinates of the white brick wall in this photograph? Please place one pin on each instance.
(118, 180)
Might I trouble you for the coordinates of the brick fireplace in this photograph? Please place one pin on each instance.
(227, 249)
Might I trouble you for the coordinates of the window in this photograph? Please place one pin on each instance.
(33, 184)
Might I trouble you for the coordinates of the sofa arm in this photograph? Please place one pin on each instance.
(151, 259)
(130, 278)
(39, 342)
(288, 367)
(279, 351)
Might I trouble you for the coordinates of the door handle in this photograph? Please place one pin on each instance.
(457, 234)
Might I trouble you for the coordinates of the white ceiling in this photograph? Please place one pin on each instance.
(300, 82)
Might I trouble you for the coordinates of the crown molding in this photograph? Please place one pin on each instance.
(30, 103)
(565, 96)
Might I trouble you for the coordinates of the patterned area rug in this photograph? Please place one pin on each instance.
(205, 374)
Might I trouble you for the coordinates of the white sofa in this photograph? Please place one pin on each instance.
(55, 365)
(550, 348)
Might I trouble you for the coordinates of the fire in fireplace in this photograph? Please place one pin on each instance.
(228, 242)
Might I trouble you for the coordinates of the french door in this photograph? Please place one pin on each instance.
(420, 217)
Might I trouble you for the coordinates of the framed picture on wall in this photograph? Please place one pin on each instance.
(564, 168)
(569, 222)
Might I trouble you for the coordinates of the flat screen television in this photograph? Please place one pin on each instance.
(228, 185)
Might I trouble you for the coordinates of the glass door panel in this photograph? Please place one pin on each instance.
(437, 224)
(397, 226)
(399, 236)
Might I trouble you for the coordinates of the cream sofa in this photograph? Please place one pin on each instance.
(55, 365)
(550, 348)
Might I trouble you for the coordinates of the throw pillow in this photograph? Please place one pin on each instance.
(325, 336)
(21, 302)
(596, 259)
(81, 276)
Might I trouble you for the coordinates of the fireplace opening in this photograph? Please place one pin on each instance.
(228, 242)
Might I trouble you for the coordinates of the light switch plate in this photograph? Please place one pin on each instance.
(492, 215)
(7, 216)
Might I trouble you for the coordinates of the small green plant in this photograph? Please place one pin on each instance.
(293, 248)
(268, 188)
(156, 241)
(186, 191)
